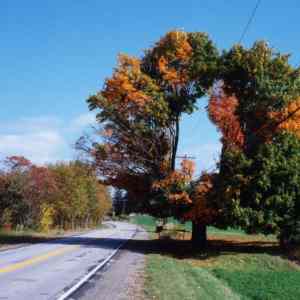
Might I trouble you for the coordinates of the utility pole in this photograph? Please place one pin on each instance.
(186, 157)
(124, 206)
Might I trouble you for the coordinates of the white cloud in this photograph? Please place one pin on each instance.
(83, 121)
(206, 155)
(40, 147)
(48, 139)
(43, 139)
(36, 124)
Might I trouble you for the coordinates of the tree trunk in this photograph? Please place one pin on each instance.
(199, 235)
(283, 243)
(175, 144)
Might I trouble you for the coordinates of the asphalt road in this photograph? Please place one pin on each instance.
(46, 270)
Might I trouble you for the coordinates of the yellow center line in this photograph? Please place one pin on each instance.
(37, 259)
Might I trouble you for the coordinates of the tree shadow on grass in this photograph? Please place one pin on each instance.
(181, 249)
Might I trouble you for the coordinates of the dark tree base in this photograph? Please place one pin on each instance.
(199, 235)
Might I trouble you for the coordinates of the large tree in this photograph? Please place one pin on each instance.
(139, 112)
(256, 108)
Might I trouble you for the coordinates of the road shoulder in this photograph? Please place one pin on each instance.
(121, 279)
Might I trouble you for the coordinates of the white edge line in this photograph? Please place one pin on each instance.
(74, 288)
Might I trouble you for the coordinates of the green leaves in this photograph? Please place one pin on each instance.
(262, 80)
(269, 185)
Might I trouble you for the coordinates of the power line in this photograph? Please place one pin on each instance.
(249, 21)
(186, 157)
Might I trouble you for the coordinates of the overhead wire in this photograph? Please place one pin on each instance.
(244, 32)
(249, 21)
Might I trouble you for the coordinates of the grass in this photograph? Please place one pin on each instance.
(170, 279)
(235, 266)
(149, 224)
(255, 275)
(145, 221)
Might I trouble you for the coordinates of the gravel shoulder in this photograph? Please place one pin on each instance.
(121, 279)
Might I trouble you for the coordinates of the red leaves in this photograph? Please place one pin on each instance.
(201, 210)
(55, 195)
(17, 162)
(222, 112)
(40, 183)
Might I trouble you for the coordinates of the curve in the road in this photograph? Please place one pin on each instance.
(44, 271)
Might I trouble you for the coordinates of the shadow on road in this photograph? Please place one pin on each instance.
(176, 248)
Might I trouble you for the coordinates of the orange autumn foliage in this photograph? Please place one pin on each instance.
(142, 103)
(288, 118)
(188, 168)
(222, 112)
(174, 178)
(179, 41)
(176, 181)
(176, 54)
(180, 198)
(200, 210)
(125, 86)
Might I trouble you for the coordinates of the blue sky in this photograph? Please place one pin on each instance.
(54, 54)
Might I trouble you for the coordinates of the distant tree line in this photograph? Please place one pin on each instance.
(61, 195)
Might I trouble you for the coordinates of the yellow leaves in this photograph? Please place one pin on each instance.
(129, 62)
(47, 217)
(289, 118)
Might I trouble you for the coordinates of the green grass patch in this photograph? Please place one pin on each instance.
(149, 224)
(262, 285)
(227, 276)
(171, 279)
(258, 276)
(145, 221)
(253, 275)
(235, 266)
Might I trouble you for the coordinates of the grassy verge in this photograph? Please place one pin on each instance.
(145, 221)
(168, 278)
(235, 266)
(255, 275)
(149, 223)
